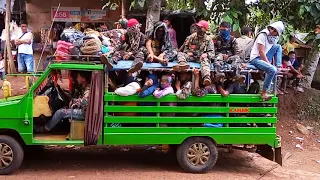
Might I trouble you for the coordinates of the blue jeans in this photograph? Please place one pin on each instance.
(63, 114)
(25, 62)
(271, 70)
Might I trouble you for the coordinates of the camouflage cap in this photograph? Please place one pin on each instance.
(123, 22)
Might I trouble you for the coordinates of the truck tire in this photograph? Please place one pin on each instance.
(11, 155)
(197, 155)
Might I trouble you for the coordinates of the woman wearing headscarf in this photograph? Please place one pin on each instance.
(159, 45)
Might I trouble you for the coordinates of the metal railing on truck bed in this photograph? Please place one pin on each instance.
(236, 119)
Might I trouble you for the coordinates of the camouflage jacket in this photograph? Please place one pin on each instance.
(185, 91)
(199, 46)
(83, 101)
(229, 48)
(116, 37)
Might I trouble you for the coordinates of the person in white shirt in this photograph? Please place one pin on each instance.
(266, 51)
(25, 49)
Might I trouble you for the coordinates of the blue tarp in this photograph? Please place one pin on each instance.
(126, 64)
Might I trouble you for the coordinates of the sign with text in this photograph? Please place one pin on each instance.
(66, 14)
(93, 15)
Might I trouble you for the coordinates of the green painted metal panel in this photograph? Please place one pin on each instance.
(173, 135)
(190, 130)
(74, 66)
(53, 142)
(150, 119)
(188, 109)
(151, 139)
(232, 98)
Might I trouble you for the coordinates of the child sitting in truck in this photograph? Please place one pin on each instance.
(159, 45)
(165, 89)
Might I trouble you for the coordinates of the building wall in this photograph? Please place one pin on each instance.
(39, 11)
(39, 15)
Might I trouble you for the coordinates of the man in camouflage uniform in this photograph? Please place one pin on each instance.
(132, 47)
(198, 47)
(226, 48)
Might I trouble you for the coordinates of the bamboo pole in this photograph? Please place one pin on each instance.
(11, 67)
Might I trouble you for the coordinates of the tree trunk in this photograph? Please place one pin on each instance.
(153, 13)
(123, 8)
(311, 66)
(11, 67)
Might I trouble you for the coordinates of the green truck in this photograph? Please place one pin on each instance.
(243, 120)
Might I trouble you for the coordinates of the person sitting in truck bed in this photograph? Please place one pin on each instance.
(199, 90)
(77, 107)
(117, 39)
(159, 45)
(135, 49)
(183, 85)
(226, 49)
(198, 48)
(235, 87)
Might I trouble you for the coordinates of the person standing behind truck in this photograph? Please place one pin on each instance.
(172, 33)
(25, 50)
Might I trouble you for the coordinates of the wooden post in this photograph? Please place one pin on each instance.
(11, 67)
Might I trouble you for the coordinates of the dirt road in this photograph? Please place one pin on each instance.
(58, 163)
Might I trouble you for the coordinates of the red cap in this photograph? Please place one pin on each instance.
(203, 24)
(132, 22)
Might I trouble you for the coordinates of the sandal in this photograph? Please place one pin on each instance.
(266, 98)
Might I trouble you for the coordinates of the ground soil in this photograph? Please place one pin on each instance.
(145, 163)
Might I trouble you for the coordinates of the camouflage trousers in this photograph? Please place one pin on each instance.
(234, 61)
(204, 63)
(170, 55)
(137, 57)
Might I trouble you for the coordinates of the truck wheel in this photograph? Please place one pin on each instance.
(197, 155)
(11, 155)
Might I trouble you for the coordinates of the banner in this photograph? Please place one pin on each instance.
(93, 15)
(66, 14)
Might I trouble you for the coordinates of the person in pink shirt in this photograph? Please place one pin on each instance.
(165, 87)
(164, 90)
(172, 33)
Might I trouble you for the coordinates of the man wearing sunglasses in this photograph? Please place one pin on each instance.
(266, 54)
(25, 50)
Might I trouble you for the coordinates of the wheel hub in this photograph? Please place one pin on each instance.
(6, 156)
(198, 154)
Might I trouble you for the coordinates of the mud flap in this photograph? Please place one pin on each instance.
(265, 151)
(278, 156)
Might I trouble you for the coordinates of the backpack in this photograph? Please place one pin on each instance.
(245, 54)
